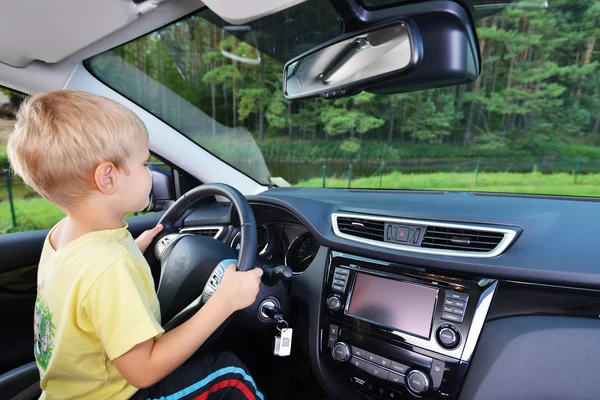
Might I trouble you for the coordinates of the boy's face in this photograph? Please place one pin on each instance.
(134, 187)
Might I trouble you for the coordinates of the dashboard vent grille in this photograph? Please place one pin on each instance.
(461, 239)
(363, 228)
(208, 232)
(424, 236)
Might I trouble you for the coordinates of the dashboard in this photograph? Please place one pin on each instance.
(282, 238)
(286, 244)
(436, 295)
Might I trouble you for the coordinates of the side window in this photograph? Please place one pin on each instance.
(21, 208)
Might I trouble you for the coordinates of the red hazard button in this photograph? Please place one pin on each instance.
(402, 234)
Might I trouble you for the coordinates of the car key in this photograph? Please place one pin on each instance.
(282, 345)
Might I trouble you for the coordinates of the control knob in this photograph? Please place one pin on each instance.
(448, 336)
(341, 352)
(418, 381)
(334, 303)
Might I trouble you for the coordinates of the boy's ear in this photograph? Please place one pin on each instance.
(105, 178)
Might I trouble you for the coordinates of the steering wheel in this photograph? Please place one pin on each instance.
(192, 266)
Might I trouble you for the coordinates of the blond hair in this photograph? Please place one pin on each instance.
(62, 136)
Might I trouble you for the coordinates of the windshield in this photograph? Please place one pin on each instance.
(529, 124)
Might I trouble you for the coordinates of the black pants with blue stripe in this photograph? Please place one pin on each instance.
(205, 377)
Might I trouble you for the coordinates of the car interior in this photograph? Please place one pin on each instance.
(402, 293)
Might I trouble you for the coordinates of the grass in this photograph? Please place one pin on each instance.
(32, 214)
(506, 182)
(37, 213)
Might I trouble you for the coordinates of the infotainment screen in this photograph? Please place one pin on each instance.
(399, 305)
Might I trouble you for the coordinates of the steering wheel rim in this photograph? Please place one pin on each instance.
(187, 263)
(249, 239)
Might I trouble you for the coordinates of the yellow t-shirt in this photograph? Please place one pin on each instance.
(95, 301)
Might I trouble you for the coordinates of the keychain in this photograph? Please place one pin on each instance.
(282, 345)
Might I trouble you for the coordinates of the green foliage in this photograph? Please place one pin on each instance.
(250, 99)
(351, 146)
(277, 112)
(32, 214)
(338, 121)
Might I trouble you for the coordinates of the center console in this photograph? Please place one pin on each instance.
(395, 331)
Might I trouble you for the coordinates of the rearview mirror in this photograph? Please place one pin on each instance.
(423, 45)
(354, 61)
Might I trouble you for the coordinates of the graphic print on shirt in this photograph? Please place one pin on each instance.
(43, 331)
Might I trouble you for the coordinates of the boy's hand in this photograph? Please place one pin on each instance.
(153, 359)
(238, 289)
(144, 240)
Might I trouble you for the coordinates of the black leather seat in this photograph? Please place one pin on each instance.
(22, 383)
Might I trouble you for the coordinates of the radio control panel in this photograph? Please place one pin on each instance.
(396, 331)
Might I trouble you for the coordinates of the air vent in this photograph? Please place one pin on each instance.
(437, 237)
(424, 236)
(210, 231)
(363, 228)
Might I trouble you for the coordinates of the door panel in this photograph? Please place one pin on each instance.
(19, 256)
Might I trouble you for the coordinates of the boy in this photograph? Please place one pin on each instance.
(97, 317)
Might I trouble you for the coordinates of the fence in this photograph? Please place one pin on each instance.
(12, 188)
(576, 167)
(11, 202)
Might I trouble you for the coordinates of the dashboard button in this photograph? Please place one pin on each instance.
(454, 310)
(385, 362)
(331, 341)
(457, 296)
(339, 282)
(340, 277)
(358, 363)
(402, 234)
(455, 303)
(374, 358)
(437, 372)
(341, 271)
(358, 352)
(452, 317)
(400, 368)
(396, 378)
(338, 288)
(333, 329)
(376, 371)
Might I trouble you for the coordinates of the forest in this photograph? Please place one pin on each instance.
(537, 94)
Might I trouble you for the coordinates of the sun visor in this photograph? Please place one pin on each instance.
(50, 31)
(239, 12)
